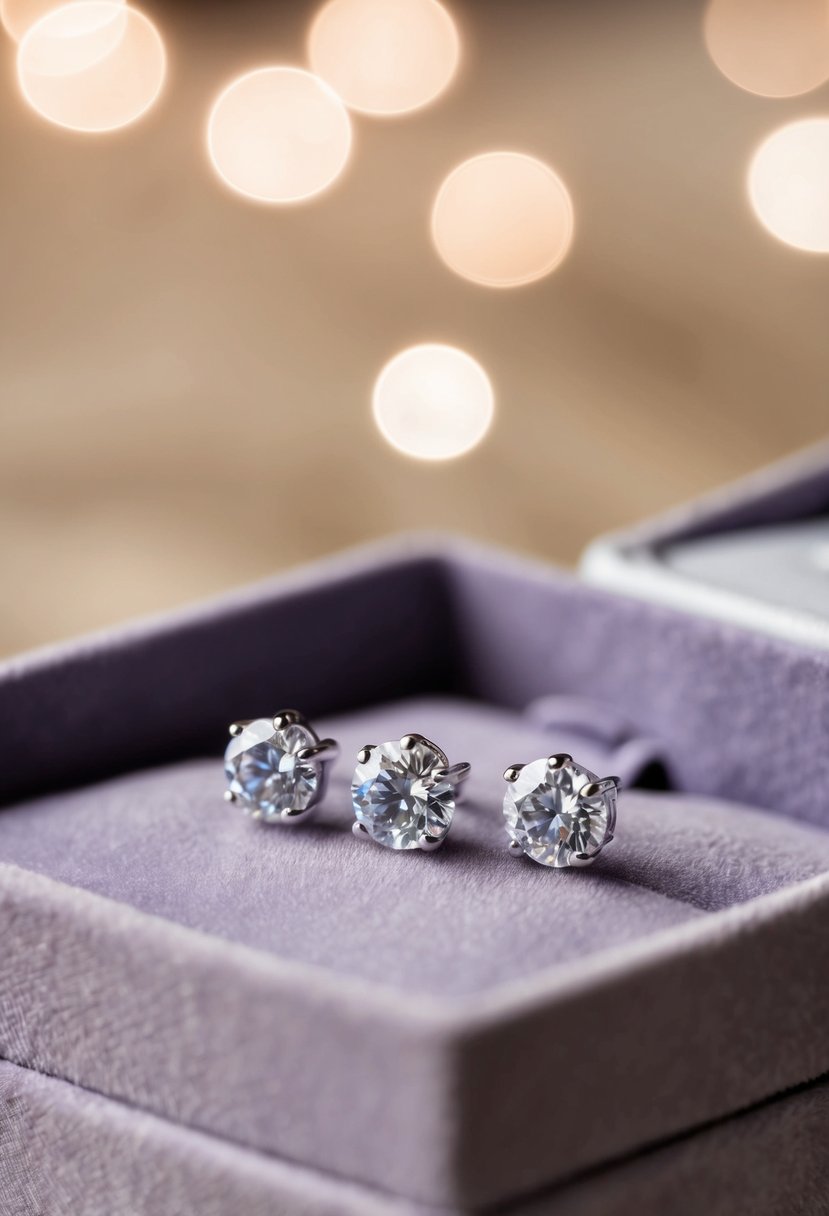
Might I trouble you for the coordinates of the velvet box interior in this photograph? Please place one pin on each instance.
(459, 1029)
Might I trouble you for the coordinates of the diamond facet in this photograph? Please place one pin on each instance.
(398, 797)
(550, 819)
(264, 773)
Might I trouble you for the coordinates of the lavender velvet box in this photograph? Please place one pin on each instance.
(451, 1031)
(64, 1149)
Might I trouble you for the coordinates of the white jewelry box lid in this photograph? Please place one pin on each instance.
(754, 554)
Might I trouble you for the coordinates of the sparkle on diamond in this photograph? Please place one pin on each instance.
(264, 773)
(545, 815)
(397, 799)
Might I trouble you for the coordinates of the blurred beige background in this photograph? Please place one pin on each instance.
(186, 378)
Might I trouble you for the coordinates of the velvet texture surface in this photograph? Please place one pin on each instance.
(64, 1149)
(292, 992)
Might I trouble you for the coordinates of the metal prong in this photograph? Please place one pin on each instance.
(581, 860)
(429, 843)
(559, 760)
(285, 717)
(410, 741)
(295, 813)
(513, 772)
(514, 849)
(359, 830)
(325, 749)
(455, 775)
(364, 754)
(236, 728)
(594, 789)
(230, 796)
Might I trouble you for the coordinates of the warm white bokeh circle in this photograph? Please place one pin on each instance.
(279, 135)
(788, 184)
(385, 56)
(776, 48)
(503, 219)
(18, 16)
(434, 402)
(75, 38)
(92, 66)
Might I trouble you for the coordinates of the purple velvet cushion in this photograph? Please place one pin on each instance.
(163, 841)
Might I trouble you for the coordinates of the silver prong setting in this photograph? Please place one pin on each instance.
(409, 741)
(325, 749)
(456, 774)
(514, 849)
(286, 717)
(364, 754)
(229, 796)
(597, 789)
(513, 772)
(236, 728)
(295, 814)
(430, 844)
(358, 830)
(559, 760)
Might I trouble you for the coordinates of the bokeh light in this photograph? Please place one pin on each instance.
(788, 184)
(385, 56)
(776, 48)
(502, 219)
(279, 135)
(76, 38)
(92, 66)
(18, 16)
(434, 402)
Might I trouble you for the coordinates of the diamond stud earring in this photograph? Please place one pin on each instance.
(405, 793)
(276, 768)
(558, 813)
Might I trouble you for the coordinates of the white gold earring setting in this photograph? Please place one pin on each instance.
(277, 768)
(405, 792)
(558, 813)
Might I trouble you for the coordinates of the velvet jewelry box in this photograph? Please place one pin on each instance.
(199, 1013)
